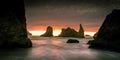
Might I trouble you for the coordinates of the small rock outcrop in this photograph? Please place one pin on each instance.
(73, 41)
(81, 32)
(68, 32)
(13, 32)
(108, 35)
(48, 33)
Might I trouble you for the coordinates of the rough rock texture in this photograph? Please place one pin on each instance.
(72, 41)
(48, 33)
(68, 32)
(13, 31)
(81, 32)
(108, 34)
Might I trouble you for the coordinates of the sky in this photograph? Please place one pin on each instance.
(68, 13)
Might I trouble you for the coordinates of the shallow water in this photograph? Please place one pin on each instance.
(46, 48)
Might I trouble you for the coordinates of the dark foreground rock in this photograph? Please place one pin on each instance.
(48, 33)
(13, 31)
(72, 41)
(108, 35)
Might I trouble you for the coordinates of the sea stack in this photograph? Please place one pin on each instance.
(68, 32)
(13, 32)
(81, 32)
(108, 34)
(48, 33)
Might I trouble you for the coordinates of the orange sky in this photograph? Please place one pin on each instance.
(87, 29)
(38, 30)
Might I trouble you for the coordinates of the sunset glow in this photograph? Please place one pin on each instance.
(56, 33)
(38, 33)
(90, 33)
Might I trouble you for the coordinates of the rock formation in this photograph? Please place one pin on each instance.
(95, 35)
(72, 41)
(48, 33)
(81, 32)
(13, 31)
(68, 32)
(29, 34)
(108, 34)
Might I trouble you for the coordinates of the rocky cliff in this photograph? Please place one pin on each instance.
(13, 31)
(108, 34)
(48, 33)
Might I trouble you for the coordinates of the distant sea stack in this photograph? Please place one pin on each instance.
(48, 33)
(108, 36)
(13, 32)
(81, 32)
(69, 32)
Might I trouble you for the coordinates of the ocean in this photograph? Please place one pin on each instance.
(56, 48)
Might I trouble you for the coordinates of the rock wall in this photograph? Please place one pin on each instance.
(13, 32)
(109, 32)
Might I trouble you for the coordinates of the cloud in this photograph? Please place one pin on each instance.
(90, 13)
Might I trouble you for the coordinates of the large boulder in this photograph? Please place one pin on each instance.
(13, 31)
(48, 33)
(68, 32)
(108, 35)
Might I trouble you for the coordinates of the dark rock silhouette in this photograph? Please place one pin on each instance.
(108, 34)
(28, 33)
(13, 31)
(68, 32)
(72, 41)
(81, 32)
(95, 35)
(48, 33)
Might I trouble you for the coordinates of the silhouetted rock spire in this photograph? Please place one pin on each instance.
(81, 32)
(108, 34)
(48, 33)
(13, 31)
